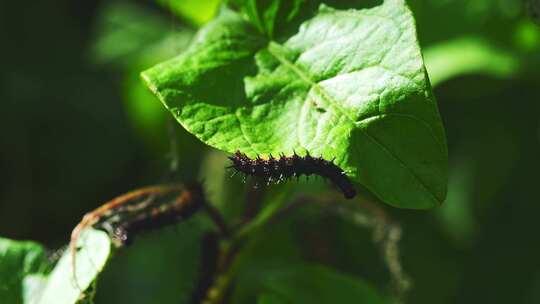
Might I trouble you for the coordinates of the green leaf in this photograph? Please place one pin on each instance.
(312, 283)
(62, 286)
(349, 85)
(19, 261)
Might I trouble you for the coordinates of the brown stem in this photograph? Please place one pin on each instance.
(254, 197)
(217, 291)
(210, 256)
(218, 219)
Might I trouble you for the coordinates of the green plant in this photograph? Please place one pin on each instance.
(271, 77)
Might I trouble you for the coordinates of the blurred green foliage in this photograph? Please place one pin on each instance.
(125, 43)
(21, 264)
(78, 128)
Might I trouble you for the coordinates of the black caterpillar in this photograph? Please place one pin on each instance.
(185, 205)
(275, 170)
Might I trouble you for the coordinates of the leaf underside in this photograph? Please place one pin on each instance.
(63, 286)
(349, 85)
(24, 276)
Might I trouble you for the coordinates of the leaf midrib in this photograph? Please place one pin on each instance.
(298, 71)
(306, 78)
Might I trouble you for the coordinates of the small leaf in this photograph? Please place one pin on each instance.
(62, 286)
(195, 11)
(349, 85)
(18, 262)
(275, 17)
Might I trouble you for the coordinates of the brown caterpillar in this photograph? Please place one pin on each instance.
(186, 204)
(146, 208)
(275, 170)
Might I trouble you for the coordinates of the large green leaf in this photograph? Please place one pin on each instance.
(19, 261)
(349, 85)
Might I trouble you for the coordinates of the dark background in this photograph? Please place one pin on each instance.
(78, 128)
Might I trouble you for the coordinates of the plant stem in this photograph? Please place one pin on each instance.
(228, 258)
(274, 206)
(217, 219)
